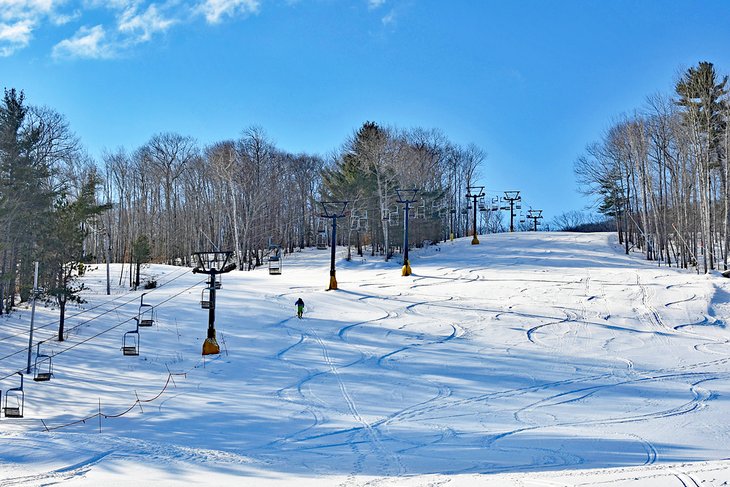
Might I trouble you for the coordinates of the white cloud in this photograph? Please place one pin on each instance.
(112, 4)
(15, 36)
(133, 26)
(18, 19)
(373, 4)
(87, 43)
(127, 22)
(17, 33)
(63, 19)
(26, 9)
(215, 10)
(143, 25)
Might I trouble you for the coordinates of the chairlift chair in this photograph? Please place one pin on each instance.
(205, 302)
(130, 343)
(14, 401)
(321, 241)
(275, 262)
(43, 366)
(394, 219)
(146, 313)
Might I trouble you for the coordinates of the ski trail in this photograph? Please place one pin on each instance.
(352, 406)
(59, 475)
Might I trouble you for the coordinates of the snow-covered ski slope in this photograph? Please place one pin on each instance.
(531, 359)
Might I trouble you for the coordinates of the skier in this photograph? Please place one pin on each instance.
(300, 308)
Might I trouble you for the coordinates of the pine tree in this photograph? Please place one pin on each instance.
(63, 250)
(701, 97)
(26, 196)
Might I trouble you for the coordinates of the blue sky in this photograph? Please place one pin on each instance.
(530, 82)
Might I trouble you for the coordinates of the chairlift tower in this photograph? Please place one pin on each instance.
(333, 210)
(534, 215)
(512, 197)
(406, 197)
(35, 294)
(475, 192)
(212, 264)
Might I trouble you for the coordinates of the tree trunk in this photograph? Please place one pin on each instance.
(62, 318)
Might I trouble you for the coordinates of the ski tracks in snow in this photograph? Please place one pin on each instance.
(379, 449)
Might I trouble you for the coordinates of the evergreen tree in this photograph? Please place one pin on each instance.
(26, 195)
(140, 253)
(701, 97)
(63, 248)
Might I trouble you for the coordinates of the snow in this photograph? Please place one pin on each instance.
(532, 359)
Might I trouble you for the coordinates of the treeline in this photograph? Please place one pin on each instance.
(48, 197)
(169, 198)
(246, 194)
(662, 173)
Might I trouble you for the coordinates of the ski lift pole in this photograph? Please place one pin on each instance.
(512, 196)
(32, 317)
(406, 264)
(406, 197)
(333, 210)
(475, 192)
(108, 256)
(333, 280)
(211, 339)
(217, 265)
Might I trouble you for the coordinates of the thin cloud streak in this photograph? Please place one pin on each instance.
(142, 26)
(215, 10)
(87, 43)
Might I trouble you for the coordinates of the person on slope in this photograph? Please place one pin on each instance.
(300, 308)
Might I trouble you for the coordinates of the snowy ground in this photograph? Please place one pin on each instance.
(533, 359)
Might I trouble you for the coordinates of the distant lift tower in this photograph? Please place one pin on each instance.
(475, 192)
(406, 196)
(333, 210)
(212, 264)
(534, 215)
(513, 197)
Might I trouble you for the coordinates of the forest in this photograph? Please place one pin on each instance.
(172, 197)
(662, 173)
